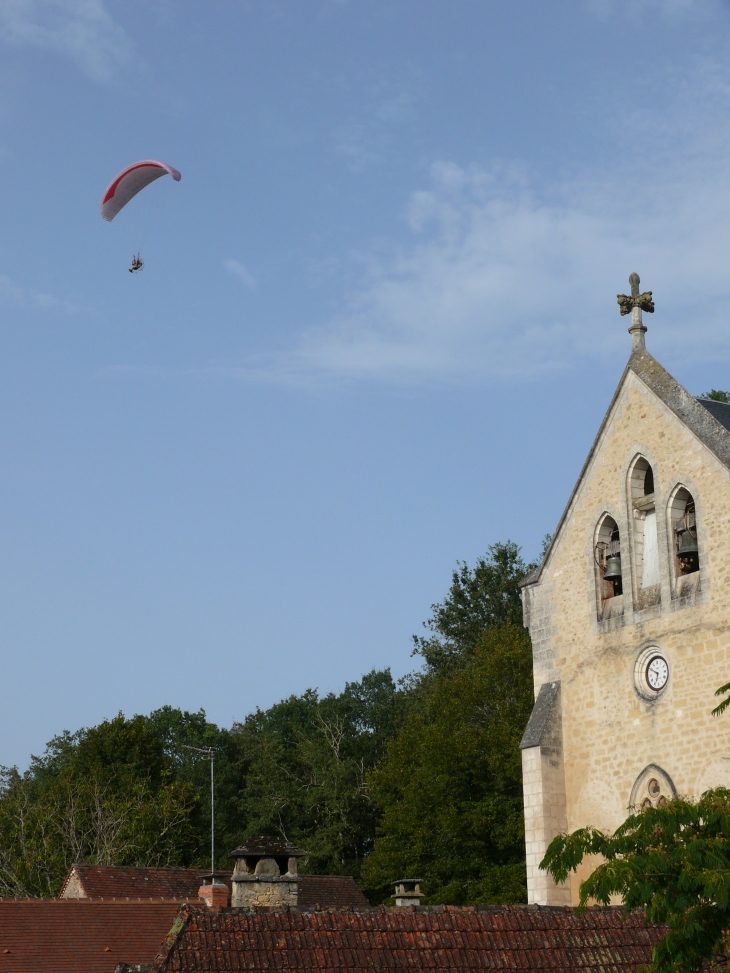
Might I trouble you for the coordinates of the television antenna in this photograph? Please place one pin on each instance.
(209, 753)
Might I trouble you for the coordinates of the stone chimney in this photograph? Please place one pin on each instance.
(408, 892)
(265, 872)
(213, 890)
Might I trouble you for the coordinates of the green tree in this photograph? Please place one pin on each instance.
(178, 731)
(721, 707)
(717, 395)
(119, 748)
(105, 795)
(450, 788)
(672, 861)
(89, 818)
(306, 764)
(485, 596)
(132, 791)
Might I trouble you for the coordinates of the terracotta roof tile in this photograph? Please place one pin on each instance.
(77, 936)
(116, 881)
(101, 881)
(429, 938)
(330, 890)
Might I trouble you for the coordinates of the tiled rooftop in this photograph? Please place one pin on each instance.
(78, 936)
(100, 881)
(116, 881)
(330, 891)
(428, 938)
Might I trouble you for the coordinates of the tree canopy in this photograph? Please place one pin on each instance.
(307, 760)
(674, 862)
(130, 792)
(450, 787)
(482, 597)
(106, 795)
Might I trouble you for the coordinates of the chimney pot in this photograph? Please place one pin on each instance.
(265, 873)
(408, 892)
(214, 891)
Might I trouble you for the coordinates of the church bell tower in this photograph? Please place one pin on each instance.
(629, 616)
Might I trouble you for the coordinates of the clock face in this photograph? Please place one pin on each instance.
(657, 673)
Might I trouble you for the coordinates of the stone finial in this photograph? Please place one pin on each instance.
(634, 304)
(628, 302)
(408, 892)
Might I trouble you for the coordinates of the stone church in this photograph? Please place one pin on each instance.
(629, 615)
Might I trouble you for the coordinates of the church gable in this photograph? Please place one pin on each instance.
(708, 422)
(637, 529)
(647, 516)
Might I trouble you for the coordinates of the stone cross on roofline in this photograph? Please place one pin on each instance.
(634, 304)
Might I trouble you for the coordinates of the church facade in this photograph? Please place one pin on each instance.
(629, 615)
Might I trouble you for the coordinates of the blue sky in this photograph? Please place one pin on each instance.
(376, 331)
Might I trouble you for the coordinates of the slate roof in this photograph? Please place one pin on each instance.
(78, 936)
(720, 411)
(101, 881)
(270, 845)
(532, 737)
(430, 938)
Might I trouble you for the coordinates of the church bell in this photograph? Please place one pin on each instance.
(613, 568)
(687, 544)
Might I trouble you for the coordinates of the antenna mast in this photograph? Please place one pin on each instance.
(209, 753)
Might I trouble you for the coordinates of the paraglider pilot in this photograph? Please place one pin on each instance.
(127, 184)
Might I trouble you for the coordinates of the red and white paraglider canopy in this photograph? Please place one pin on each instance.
(130, 181)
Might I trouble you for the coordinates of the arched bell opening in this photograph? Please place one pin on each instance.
(642, 501)
(641, 479)
(683, 532)
(607, 554)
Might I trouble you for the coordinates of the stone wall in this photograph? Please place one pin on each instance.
(73, 888)
(265, 891)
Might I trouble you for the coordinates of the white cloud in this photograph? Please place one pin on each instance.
(636, 10)
(14, 296)
(80, 29)
(240, 272)
(504, 278)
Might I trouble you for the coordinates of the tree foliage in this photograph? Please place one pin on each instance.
(130, 792)
(450, 788)
(722, 706)
(103, 796)
(482, 597)
(307, 762)
(717, 395)
(674, 862)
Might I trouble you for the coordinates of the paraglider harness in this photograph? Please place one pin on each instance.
(137, 264)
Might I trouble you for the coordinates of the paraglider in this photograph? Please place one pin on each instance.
(127, 184)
